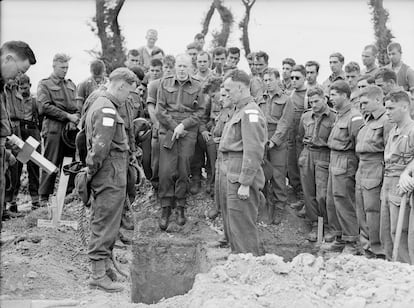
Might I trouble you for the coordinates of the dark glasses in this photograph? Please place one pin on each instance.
(294, 77)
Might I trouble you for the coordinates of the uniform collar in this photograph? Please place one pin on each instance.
(113, 99)
(378, 113)
(176, 81)
(56, 79)
(277, 93)
(344, 109)
(326, 112)
(243, 102)
(372, 69)
(333, 77)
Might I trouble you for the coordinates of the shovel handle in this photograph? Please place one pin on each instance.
(398, 231)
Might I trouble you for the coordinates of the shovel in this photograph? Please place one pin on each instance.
(398, 231)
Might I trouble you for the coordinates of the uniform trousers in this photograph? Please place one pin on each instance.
(367, 196)
(239, 216)
(108, 187)
(340, 201)
(174, 167)
(314, 174)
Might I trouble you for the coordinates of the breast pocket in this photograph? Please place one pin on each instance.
(120, 134)
(342, 133)
(277, 109)
(56, 94)
(190, 97)
(309, 128)
(325, 130)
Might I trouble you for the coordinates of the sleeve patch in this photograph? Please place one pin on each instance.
(248, 111)
(108, 110)
(108, 122)
(253, 118)
(356, 118)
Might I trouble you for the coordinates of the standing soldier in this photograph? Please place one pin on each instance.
(86, 87)
(180, 107)
(278, 111)
(56, 98)
(287, 65)
(241, 176)
(16, 58)
(314, 129)
(398, 178)
(107, 164)
(340, 201)
(24, 117)
(295, 146)
(370, 145)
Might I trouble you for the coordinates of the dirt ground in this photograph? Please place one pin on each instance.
(51, 263)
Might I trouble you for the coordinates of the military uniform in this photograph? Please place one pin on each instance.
(177, 102)
(331, 79)
(242, 149)
(294, 145)
(279, 112)
(85, 88)
(370, 145)
(398, 153)
(56, 99)
(340, 201)
(314, 130)
(155, 144)
(257, 88)
(24, 118)
(107, 163)
(5, 130)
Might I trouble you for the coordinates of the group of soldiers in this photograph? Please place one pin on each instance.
(345, 146)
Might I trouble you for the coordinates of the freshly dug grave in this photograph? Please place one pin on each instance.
(307, 281)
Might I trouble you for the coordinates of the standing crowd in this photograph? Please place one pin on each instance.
(345, 146)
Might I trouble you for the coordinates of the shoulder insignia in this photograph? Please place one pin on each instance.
(253, 118)
(356, 118)
(108, 122)
(108, 110)
(249, 111)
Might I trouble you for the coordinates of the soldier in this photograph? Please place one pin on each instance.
(287, 65)
(336, 62)
(145, 51)
(24, 116)
(257, 86)
(398, 177)
(352, 73)
(295, 146)
(106, 170)
(370, 145)
(133, 59)
(199, 39)
(314, 129)
(312, 72)
(278, 111)
(16, 58)
(180, 106)
(405, 74)
(250, 61)
(86, 87)
(369, 54)
(219, 59)
(198, 161)
(240, 173)
(56, 99)
(233, 58)
(340, 201)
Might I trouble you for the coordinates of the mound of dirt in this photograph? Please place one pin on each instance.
(307, 281)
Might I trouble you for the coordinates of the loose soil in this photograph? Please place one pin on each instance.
(52, 264)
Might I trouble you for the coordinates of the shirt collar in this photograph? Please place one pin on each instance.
(56, 79)
(378, 113)
(326, 112)
(277, 93)
(333, 77)
(344, 109)
(178, 82)
(113, 99)
(243, 102)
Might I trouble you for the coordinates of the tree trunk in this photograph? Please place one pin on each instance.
(244, 25)
(109, 33)
(207, 19)
(383, 35)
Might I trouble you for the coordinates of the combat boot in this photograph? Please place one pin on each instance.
(13, 207)
(110, 272)
(127, 222)
(165, 217)
(195, 186)
(353, 248)
(313, 235)
(100, 280)
(337, 245)
(181, 216)
(213, 213)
